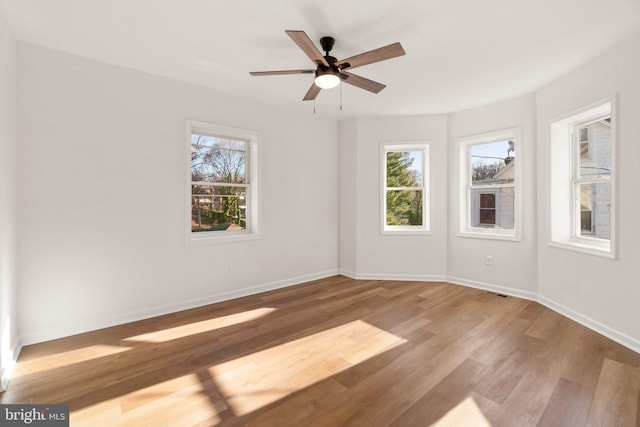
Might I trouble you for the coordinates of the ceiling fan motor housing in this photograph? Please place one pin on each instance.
(327, 43)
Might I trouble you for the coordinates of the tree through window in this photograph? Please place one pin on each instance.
(218, 183)
(405, 190)
(492, 184)
(222, 182)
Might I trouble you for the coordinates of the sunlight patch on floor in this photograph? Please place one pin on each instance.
(190, 399)
(177, 332)
(68, 358)
(464, 414)
(258, 379)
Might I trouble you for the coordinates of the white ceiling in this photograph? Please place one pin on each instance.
(460, 53)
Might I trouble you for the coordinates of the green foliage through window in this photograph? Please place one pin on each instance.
(404, 188)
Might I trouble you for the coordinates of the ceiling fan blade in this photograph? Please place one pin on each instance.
(376, 55)
(361, 82)
(304, 42)
(313, 91)
(278, 73)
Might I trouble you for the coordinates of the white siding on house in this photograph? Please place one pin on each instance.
(598, 160)
(505, 199)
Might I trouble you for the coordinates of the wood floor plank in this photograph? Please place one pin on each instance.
(339, 351)
(444, 396)
(503, 376)
(569, 405)
(615, 402)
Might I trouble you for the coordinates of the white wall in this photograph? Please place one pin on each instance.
(9, 345)
(414, 257)
(102, 197)
(602, 293)
(514, 268)
(347, 191)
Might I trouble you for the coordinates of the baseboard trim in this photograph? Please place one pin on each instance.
(6, 372)
(133, 316)
(398, 277)
(592, 324)
(528, 295)
(348, 273)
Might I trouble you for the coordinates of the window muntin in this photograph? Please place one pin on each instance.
(405, 192)
(222, 185)
(488, 185)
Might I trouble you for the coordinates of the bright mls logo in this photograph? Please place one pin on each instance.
(34, 415)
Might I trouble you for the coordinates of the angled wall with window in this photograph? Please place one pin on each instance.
(411, 245)
(103, 188)
(601, 291)
(492, 220)
(9, 344)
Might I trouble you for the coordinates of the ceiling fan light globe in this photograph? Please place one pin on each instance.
(327, 81)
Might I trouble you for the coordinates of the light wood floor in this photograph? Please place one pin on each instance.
(341, 352)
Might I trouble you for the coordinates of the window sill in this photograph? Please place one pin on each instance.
(400, 232)
(601, 250)
(206, 238)
(490, 235)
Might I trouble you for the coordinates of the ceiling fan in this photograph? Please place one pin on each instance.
(329, 71)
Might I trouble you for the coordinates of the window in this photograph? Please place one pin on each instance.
(405, 193)
(223, 182)
(487, 208)
(591, 177)
(488, 194)
(582, 180)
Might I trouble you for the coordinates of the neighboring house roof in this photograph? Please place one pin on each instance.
(507, 173)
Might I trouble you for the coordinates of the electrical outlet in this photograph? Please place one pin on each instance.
(488, 260)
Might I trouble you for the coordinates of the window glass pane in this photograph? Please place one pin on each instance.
(218, 208)
(404, 207)
(487, 216)
(218, 142)
(595, 210)
(492, 163)
(487, 201)
(595, 150)
(495, 209)
(404, 169)
(583, 133)
(218, 160)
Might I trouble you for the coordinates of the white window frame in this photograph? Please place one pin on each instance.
(252, 228)
(564, 181)
(386, 147)
(464, 205)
